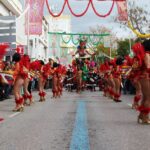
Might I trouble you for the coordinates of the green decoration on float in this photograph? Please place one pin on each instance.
(81, 36)
(66, 42)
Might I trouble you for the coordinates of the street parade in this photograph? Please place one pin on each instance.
(64, 90)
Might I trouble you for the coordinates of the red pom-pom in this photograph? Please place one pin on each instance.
(35, 65)
(138, 50)
(29, 96)
(137, 98)
(143, 109)
(129, 60)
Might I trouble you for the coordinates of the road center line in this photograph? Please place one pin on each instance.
(80, 139)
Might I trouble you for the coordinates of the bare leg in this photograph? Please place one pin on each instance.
(27, 94)
(18, 97)
(145, 103)
(117, 82)
(137, 96)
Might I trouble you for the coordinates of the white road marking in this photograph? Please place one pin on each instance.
(14, 114)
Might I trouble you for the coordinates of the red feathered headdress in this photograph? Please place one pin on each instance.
(25, 61)
(102, 67)
(138, 50)
(61, 70)
(3, 48)
(113, 62)
(35, 65)
(46, 68)
(20, 50)
(129, 60)
(107, 67)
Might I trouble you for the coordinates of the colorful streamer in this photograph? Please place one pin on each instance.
(71, 37)
(66, 42)
(78, 15)
(56, 15)
(75, 43)
(99, 15)
(66, 2)
(138, 33)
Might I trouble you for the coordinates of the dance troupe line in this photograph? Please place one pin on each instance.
(110, 72)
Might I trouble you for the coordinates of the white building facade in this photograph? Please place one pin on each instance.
(56, 47)
(9, 11)
(34, 45)
(38, 44)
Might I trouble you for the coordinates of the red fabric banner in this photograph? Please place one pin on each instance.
(122, 10)
(34, 23)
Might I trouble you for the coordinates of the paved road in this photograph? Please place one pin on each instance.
(86, 121)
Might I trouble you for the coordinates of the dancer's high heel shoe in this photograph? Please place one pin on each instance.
(117, 100)
(21, 108)
(142, 119)
(31, 102)
(135, 106)
(17, 109)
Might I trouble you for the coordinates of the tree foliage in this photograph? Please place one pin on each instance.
(138, 16)
(124, 47)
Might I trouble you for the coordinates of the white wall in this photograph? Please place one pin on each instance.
(60, 24)
(39, 47)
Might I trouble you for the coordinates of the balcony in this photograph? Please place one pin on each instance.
(14, 6)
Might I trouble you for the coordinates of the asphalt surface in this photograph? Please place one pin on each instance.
(86, 121)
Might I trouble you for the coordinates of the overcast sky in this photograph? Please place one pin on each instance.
(82, 24)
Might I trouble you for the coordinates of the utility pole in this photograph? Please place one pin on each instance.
(28, 23)
(28, 31)
(130, 44)
(110, 47)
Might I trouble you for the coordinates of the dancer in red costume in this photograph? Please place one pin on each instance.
(3, 48)
(61, 74)
(134, 78)
(117, 79)
(79, 79)
(27, 95)
(104, 69)
(55, 85)
(142, 52)
(82, 52)
(44, 73)
(20, 74)
(81, 49)
(111, 82)
(55, 82)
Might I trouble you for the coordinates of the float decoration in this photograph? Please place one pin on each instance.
(138, 33)
(66, 2)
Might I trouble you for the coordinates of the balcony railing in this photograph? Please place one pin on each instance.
(14, 6)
